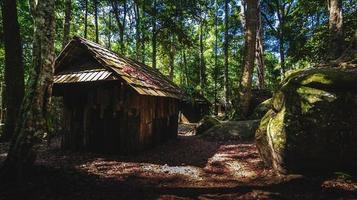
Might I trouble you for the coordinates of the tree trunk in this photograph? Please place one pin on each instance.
(245, 92)
(172, 53)
(109, 30)
(260, 51)
(96, 21)
(121, 24)
(202, 60)
(137, 31)
(142, 27)
(122, 31)
(215, 71)
(14, 71)
(335, 28)
(226, 42)
(86, 19)
(67, 23)
(185, 66)
(154, 35)
(31, 126)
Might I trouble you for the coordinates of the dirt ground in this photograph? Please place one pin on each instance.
(187, 168)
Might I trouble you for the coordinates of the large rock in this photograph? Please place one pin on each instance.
(233, 130)
(313, 122)
(206, 123)
(261, 109)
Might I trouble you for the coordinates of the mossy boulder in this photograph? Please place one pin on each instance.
(312, 125)
(261, 109)
(206, 123)
(233, 130)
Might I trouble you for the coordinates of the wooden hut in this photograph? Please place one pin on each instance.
(194, 108)
(111, 103)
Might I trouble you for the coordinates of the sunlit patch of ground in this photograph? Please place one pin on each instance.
(189, 161)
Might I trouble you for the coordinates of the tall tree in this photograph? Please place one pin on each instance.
(260, 50)
(215, 71)
(202, 58)
(281, 9)
(250, 32)
(154, 34)
(121, 23)
(85, 18)
(137, 30)
(14, 70)
(172, 53)
(142, 27)
(67, 22)
(31, 125)
(95, 3)
(225, 49)
(335, 28)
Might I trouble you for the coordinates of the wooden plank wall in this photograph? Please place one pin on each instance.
(111, 118)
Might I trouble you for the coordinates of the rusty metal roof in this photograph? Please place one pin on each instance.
(142, 78)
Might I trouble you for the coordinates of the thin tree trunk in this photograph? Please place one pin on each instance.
(185, 66)
(110, 30)
(32, 125)
(335, 28)
(260, 51)
(96, 21)
(245, 92)
(154, 35)
(122, 32)
(202, 60)
(14, 71)
(142, 27)
(281, 31)
(216, 58)
(282, 54)
(172, 53)
(226, 43)
(67, 23)
(86, 19)
(137, 28)
(120, 23)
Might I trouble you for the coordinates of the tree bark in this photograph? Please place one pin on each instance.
(202, 60)
(86, 19)
(260, 51)
(172, 53)
(226, 43)
(109, 30)
(185, 66)
(14, 70)
(215, 75)
(96, 21)
(335, 28)
(31, 126)
(154, 35)
(137, 31)
(142, 27)
(67, 23)
(245, 92)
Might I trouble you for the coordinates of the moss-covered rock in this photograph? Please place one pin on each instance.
(233, 130)
(206, 123)
(312, 124)
(261, 109)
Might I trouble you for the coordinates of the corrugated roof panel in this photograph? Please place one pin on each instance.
(82, 77)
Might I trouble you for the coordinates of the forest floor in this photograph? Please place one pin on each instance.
(187, 168)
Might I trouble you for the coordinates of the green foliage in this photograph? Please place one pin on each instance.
(178, 26)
